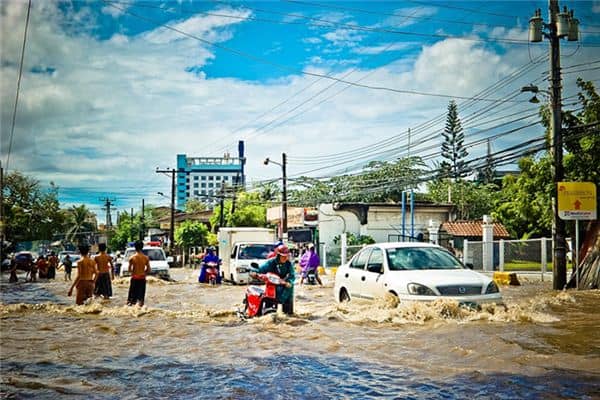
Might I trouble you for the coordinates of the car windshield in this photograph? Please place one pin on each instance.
(255, 251)
(417, 258)
(154, 254)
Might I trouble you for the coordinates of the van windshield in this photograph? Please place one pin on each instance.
(153, 254)
(255, 251)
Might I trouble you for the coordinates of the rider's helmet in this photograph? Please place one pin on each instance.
(282, 250)
(211, 249)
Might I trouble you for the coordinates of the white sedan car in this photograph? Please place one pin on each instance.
(412, 272)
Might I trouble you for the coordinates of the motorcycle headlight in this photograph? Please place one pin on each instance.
(418, 289)
(492, 288)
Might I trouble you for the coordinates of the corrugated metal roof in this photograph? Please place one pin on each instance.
(473, 228)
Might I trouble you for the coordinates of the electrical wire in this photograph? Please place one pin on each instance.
(14, 114)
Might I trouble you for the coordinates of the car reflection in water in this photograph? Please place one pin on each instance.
(412, 272)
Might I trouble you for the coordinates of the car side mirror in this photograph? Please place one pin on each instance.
(375, 268)
(170, 259)
(469, 265)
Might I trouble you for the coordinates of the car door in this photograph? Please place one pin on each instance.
(373, 283)
(355, 274)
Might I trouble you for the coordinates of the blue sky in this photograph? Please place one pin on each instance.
(112, 90)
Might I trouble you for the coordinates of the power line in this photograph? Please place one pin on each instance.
(420, 128)
(338, 7)
(14, 116)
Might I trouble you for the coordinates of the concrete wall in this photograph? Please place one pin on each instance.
(381, 222)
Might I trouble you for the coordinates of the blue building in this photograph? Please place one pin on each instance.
(204, 178)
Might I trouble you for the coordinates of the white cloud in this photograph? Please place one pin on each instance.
(115, 11)
(382, 48)
(312, 40)
(115, 109)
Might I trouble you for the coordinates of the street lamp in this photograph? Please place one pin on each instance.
(562, 25)
(284, 193)
(535, 90)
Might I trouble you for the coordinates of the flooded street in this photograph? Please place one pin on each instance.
(188, 342)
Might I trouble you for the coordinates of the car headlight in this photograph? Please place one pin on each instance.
(418, 289)
(492, 288)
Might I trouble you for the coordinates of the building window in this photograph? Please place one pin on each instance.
(218, 184)
(225, 178)
(210, 178)
(218, 178)
(203, 185)
(211, 185)
(195, 193)
(195, 184)
(196, 177)
(203, 178)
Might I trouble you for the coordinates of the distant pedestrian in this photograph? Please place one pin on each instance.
(105, 273)
(13, 271)
(52, 265)
(32, 272)
(68, 265)
(139, 267)
(42, 267)
(86, 276)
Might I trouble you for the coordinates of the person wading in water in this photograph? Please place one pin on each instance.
(105, 273)
(139, 267)
(87, 273)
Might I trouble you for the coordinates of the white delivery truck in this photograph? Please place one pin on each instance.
(240, 248)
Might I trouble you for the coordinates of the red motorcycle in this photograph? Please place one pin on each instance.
(212, 272)
(259, 301)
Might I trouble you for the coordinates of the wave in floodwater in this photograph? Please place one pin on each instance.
(380, 311)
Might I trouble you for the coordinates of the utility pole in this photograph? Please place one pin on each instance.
(284, 218)
(172, 229)
(562, 25)
(107, 203)
(1, 212)
(131, 236)
(142, 224)
(221, 205)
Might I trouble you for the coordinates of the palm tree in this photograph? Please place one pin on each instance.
(79, 220)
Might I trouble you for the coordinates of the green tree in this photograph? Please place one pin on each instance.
(191, 233)
(354, 240)
(472, 200)
(30, 212)
(79, 219)
(525, 207)
(582, 137)
(126, 230)
(379, 181)
(486, 174)
(250, 210)
(525, 203)
(453, 146)
(194, 206)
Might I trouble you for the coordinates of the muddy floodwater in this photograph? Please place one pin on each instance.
(188, 342)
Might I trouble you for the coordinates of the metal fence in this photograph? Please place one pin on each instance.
(533, 255)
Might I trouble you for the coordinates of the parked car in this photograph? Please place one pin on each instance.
(412, 272)
(24, 260)
(159, 263)
(63, 254)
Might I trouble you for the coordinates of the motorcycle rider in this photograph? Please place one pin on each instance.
(310, 262)
(210, 256)
(281, 266)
